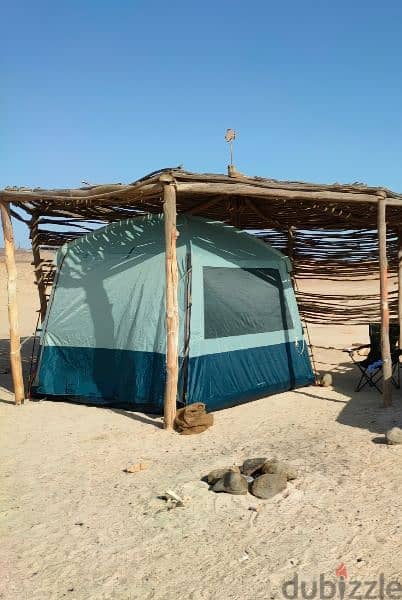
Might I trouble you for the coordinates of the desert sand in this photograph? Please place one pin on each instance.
(74, 525)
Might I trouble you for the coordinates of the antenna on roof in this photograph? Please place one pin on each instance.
(230, 136)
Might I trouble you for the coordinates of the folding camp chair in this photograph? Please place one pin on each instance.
(371, 366)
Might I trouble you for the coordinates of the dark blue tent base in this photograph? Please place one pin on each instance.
(136, 380)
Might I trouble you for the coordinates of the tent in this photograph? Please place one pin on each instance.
(103, 340)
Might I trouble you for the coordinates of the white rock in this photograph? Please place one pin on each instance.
(394, 436)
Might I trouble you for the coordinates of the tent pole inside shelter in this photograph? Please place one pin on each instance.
(385, 346)
(15, 342)
(39, 276)
(172, 309)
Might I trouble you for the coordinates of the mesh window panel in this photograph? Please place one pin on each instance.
(243, 301)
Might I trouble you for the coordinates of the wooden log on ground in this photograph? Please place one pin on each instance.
(384, 305)
(172, 308)
(15, 342)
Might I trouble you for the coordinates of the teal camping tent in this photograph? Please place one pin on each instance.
(104, 340)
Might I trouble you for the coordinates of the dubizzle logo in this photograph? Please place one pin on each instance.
(341, 571)
(342, 587)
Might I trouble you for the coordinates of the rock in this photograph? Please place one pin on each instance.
(217, 474)
(173, 500)
(326, 380)
(231, 483)
(251, 465)
(171, 495)
(268, 485)
(277, 466)
(136, 468)
(394, 436)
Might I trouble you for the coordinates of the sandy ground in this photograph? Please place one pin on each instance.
(74, 525)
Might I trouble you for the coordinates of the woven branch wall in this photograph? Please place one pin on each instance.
(327, 255)
(345, 256)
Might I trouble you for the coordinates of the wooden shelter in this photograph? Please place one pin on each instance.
(328, 231)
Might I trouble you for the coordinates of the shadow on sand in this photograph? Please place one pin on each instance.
(357, 409)
(5, 372)
(154, 420)
(26, 353)
(362, 409)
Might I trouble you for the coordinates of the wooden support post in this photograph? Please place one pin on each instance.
(15, 342)
(172, 309)
(400, 286)
(385, 346)
(39, 275)
(290, 250)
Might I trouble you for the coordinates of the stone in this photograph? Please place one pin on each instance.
(251, 465)
(136, 468)
(216, 474)
(268, 485)
(394, 436)
(326, 380)
(274, 466)
(231, 483)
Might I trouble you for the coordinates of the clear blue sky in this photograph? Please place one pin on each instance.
(108, 91)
